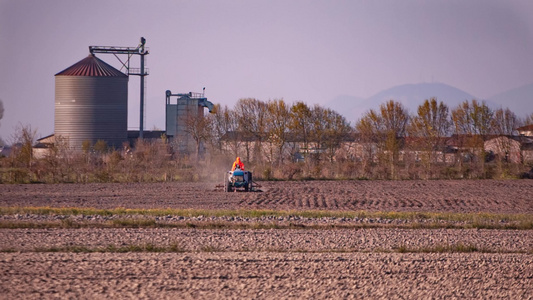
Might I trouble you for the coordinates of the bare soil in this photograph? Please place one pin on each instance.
(492, 196)
(253, 275)
(271, 263)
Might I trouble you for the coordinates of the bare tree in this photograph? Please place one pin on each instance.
(24, 138)
(318, 133)
(300, 122)
(337, 130)
(504, 124)
(386, 128)
(1, 109)
(472, 118)
(482, 116)
(200, 129)
(369, 130)
(251, 118)
(224, 122)
(21, 158)
(1, 116)
(395, 118)
(429, 127)
(278, 120)
(473, 123)
(529, 120)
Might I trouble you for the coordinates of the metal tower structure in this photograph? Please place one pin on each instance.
(142, 72)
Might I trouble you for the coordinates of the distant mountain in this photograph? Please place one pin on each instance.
(410, 95)
(518, 100)
(349, 106)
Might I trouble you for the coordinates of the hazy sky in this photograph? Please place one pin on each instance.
(310, 51)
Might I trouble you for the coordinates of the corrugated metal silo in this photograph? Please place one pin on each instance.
(91, 103)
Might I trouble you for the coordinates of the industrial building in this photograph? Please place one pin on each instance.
(181, 114)
(91, 104)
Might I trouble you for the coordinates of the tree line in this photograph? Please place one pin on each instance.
(265, 133)
(278, 140)
(471, 123)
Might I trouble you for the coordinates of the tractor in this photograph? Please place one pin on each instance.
(238, 181)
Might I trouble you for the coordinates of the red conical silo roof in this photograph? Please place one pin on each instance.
(91, 66)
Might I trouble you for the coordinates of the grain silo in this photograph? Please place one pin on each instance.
(91, 103)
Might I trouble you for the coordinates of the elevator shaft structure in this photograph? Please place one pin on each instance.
(140, 50)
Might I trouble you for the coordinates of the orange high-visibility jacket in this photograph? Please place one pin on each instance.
(239, 163)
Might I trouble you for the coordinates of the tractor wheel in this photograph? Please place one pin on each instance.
(227, 185)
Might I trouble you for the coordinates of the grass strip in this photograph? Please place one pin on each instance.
(242, 213)
(254, 225)
(441, 248)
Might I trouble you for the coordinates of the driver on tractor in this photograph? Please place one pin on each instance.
(237, 164)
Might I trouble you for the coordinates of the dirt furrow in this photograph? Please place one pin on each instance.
(493, 196)
(265, 275)
(277, 240)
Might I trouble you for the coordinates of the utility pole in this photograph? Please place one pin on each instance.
(142, 75)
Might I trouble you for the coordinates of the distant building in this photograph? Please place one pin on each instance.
(525, 130)
(516, 149)
(505, 148)
(184, 116)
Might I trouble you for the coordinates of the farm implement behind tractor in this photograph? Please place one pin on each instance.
(239, 181)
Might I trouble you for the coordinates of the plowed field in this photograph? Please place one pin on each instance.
(507, 196)
(386, 262)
